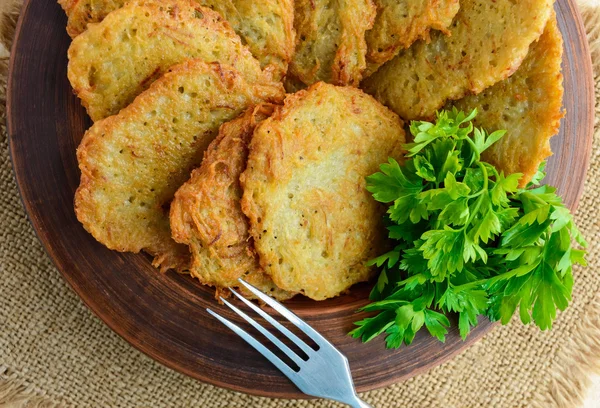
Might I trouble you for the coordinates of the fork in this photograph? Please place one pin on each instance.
(326, 372)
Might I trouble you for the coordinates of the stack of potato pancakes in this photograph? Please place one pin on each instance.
(232, 138)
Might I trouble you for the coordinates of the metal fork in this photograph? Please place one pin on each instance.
(326, 372)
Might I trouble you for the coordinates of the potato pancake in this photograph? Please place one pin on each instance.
(488, 41)
(528, 105)
(80, 13)
(266, 27)
(115, 60)
(313, 222)
(330, 40)
(207, 216)
(399, 23)
(133, 163)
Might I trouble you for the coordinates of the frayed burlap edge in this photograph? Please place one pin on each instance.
(576, 361)
(14, 393)
(590, 12)
(581, 356)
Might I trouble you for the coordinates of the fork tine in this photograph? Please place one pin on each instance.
(295, 339)
(278, 343)
(276, 361)
(288, 314)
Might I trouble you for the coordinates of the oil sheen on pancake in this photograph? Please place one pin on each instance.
(115, 60)
(488, 41)
(313, 222)
(206, 213)
(133, 163)
(527, 105)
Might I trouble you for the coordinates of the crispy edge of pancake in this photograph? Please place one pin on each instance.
(273, 20)
(80, 13)
(140, 136)
(330, 42)
(117, 59)
(527, 105)
(313, 222)
(391, 34)
(422, 78)
(206, 212)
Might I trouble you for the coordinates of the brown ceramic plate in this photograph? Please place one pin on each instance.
(164, 315)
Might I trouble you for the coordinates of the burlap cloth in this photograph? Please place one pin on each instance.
(55, 352)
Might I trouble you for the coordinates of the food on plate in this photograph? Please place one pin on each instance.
(313, 222)
(80, 13)
(330, 40)
(281, 197)
(488, 41)
(206, 213)
(133, 163)
(115, 60)
(468, 239)
(399, 23)
(528, 104)
(265, 26)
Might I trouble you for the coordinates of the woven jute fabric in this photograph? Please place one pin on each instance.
(55, 352)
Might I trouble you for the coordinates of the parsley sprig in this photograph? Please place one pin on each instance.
(467, 239)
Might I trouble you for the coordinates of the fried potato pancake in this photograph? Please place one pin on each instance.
(399, 23)
(528, 105)
(80, 13)
(488, 41)
(266, 26)
(207, 216)
(313, 222)
(133, 163)
(330, 40)
(115, 60)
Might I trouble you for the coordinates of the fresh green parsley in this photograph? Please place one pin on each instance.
(468, 240)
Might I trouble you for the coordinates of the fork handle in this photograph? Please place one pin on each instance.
(358, 403)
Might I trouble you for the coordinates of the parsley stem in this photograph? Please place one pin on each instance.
(485, 175)
(473, 146)
(485, 182)
(478, 203)
(494, 170)
(469, 285)
(477, 194)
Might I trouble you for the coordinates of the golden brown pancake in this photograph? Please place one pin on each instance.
(207, 216)
(330, 41)
(488, 41)
(266, 26)
(115, 60)
(527, 105)
(399, 23)
(133, 163)
(313, 222)
(80, 13)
